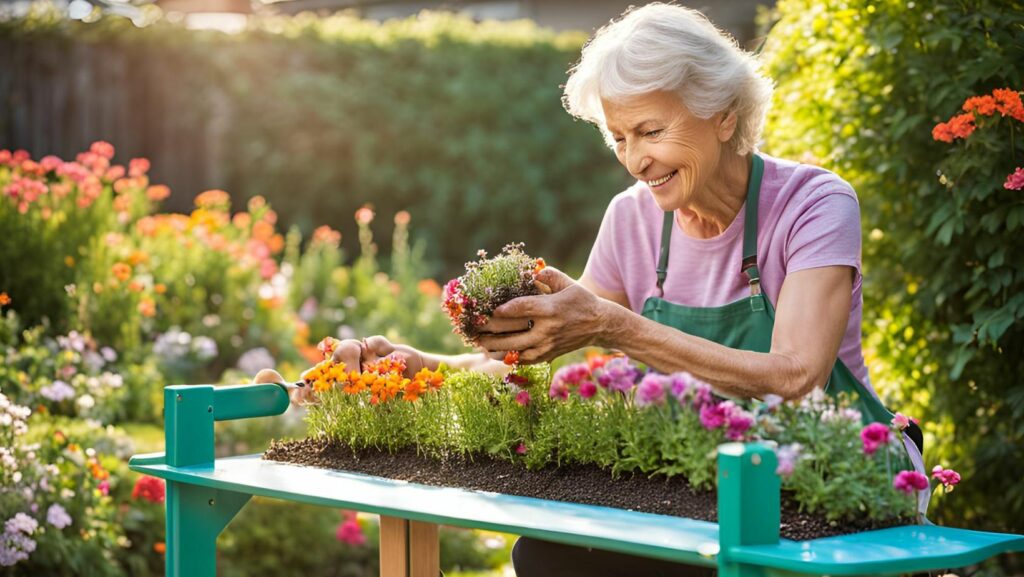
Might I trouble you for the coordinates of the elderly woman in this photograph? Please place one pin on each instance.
(740, 268)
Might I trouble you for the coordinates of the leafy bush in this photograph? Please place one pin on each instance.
(861, 85)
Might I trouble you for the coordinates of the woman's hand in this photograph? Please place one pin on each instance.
(357, 354)
(569, 318)
(297, 395)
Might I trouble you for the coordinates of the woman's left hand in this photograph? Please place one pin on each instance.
(569, 318)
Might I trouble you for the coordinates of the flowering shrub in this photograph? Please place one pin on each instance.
(488, 283)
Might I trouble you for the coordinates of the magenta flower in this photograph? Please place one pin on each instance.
(909, 481)
(739, 422)
(788, 455)
(874, 436)
(349, 531)
(104, 488)
(948, 477)
(559, 390)
(523, 398)
(651, 390)
(521, 448)
(587, 389)
(713, 416)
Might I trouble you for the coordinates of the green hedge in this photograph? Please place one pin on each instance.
(860, 86)
(460, 123)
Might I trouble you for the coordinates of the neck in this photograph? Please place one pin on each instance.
(718, 202)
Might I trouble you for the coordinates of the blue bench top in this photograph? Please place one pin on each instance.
(894, 550)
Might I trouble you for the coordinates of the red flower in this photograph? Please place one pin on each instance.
(149, 488)
(1008, 103)
(983, 105)
(512, 357)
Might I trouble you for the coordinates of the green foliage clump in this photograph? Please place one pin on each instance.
(860, 86)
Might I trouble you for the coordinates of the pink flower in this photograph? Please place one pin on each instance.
(618, 375)
(948, 477)
(559, 390)
(523, 398)
(587, 389)
(909, 481)
(788, 455)
(104, 487)
(101, 148)
(364, 215)
(713, 416)
(901, 421)
(1015, 181)
(651, 390)
(521, 448)
(739, 422)
(874, 436)
(50, 163)
(138, 167)
(349, 531)
(149, 488)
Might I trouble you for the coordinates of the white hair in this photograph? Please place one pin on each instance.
(662, 47)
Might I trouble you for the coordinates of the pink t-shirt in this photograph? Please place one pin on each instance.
(807, 217)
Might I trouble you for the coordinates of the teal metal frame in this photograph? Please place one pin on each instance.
(204, 494)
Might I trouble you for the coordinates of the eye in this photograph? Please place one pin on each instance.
(653, 133)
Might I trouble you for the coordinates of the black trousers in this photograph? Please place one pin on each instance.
(536, 558)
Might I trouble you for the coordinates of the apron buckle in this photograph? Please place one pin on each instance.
(755, 287)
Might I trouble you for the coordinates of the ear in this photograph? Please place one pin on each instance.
(727, 125)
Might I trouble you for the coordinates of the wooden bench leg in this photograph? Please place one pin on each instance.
(409, 548)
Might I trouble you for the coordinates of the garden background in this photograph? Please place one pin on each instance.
(440, 136)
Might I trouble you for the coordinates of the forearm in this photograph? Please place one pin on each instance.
(469, 361)
(731, 371)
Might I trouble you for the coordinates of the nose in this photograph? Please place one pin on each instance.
(635, 158)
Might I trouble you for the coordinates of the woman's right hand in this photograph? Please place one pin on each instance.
(297, 395)
(357, 354)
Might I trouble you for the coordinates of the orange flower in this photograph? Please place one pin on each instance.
(160, 547)
(540, 266)
(138, 167)
(512, 358)
(413, 390)
(135, 286)
(325, 235)
(147, 307)
(327, 346)
(157, 192)
(960, 126)
(69, 261)
(122, 271)
(5, 299)
(137, 257)
(432, 379)
(213, 199)
(159, 288)
(429, 287)
(402, 218)
(1008, 103)
(984, 105)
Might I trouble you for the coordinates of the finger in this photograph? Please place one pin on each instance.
(379, 346)
(350, 352)
(554, 279)
(506, 342)
(267, 376)
(504, 325)
(523, 307)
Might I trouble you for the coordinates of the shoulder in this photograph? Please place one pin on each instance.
(796, 185)
(632, 207)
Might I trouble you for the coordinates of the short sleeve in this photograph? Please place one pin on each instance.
(603, 264)
(825, 232)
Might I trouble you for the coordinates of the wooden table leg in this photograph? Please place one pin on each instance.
(409, 548)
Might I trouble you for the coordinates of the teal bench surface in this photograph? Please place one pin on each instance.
(204, 494)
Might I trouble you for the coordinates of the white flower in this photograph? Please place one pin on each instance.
(57, 391)
(85, 402)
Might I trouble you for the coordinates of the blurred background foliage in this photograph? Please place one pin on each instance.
(455, 129)
(861, 84)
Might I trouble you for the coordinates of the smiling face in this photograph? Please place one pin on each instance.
(663, 144)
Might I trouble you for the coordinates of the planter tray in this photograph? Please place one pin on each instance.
(204, 494)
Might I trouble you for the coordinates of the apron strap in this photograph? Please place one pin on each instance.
(666, 235)
(749, 266)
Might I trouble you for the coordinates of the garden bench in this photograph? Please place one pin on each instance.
(204, 494)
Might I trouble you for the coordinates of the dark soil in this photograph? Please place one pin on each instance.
(589, 485)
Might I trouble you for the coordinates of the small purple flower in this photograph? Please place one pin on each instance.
(651, 390)
(788, 455)
(57, 391)
(253, 360)
(559, 390)
(618, 375)
(21, 523)
(109, 354)
(57, 516)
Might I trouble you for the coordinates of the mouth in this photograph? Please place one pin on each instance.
(659, 182)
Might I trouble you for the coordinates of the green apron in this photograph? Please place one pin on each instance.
(747, 323)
